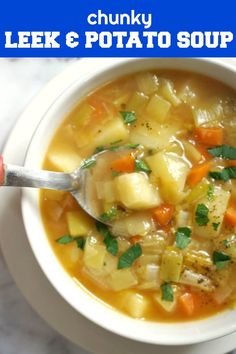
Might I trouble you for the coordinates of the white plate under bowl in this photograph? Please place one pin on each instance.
(24, 268)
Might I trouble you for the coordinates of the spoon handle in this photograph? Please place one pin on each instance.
(18, 176)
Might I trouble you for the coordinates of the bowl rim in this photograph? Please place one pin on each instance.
(26, 204)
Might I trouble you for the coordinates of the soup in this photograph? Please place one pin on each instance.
(166, 185)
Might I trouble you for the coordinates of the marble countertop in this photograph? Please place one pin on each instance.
(22, 331)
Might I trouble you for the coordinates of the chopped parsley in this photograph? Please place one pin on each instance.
(226, 174)
(110, 241)
(127, 258)
(210, 192)
(80, 241)
(220, 259)
(140, 165)
(183, 237)
(91, 161)
(108, 215)
(224, 151)
(99, 149)
(226, 243)
(128, 117)
(215, 225)
(65, 239)
(167, 292)
(201, 215)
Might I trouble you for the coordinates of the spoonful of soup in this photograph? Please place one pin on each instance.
(108, 185)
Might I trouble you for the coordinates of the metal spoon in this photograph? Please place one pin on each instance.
(76, 182)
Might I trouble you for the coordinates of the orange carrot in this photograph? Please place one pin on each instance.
(124, 164)
(187, 303)
(163, 214)
(135, 239)
(231, 162)
(198, 172)
(230, 215)
(210, 136)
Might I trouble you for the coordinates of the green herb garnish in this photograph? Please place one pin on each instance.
(99, 149)
(224, 151)
(201, 215)
(108, 215)
(140, 165)
(167, 292)
(220, 259)
(226, 174)
(183, 237)
(215, 225)
(210, 192)
(127, 258)
(110, 241)
(91, 161)
(80, 241)
(226, 243)
(128, 117)
(65, 239)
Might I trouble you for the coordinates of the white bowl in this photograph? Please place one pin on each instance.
(77, 296)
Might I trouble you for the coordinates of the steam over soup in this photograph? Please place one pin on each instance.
(169, 194)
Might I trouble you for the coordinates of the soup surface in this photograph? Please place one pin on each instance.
(167, 186)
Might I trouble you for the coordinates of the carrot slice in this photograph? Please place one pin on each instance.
(187, 303)
(198, 172)
(210, 136)
(163, 214)
(135, 239)
(230, 215)
(124, 164)
(231, 162)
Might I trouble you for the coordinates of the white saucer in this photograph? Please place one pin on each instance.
(24, 268)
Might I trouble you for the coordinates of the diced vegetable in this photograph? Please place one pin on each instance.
(191, 152)
(94, 255)
(79, 223)
(158, 108)
(106, 191)
(135, 191)
(168, 92)
(171, 265)
(210, 136)
(65, 160)
(146, 259)
(55, 210)
(122, 279)
(182, 218)
(221, 294)
(149, 274)
(124, 164)
(139, 223)
(83, 114)
(230, 215)
(113, 130)
(217, 208)
(197, 280)
(172, 171)
(147, 83)
(135, 304)
(200, 261)
(153, 244)
(137, 101)
(198, 172)
(163, 214)
(187, 303)
(168, 306)
(197, 192)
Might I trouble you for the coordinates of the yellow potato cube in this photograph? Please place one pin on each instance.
(158, 108)
(172, 171)
(94, 255)
(135, 304)
(171, 265)
(122, 279)
(135, 191)
(113, 130)
(79, 223)
(65, 160)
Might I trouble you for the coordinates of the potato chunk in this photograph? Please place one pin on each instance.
(158, 108)
(113, 130)
(79, 223)
(172, 171)
(135, 192)
(65, 160)
(94, 255)
(217, 208)
(122, 279)
(171, 265)
(135, 304)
